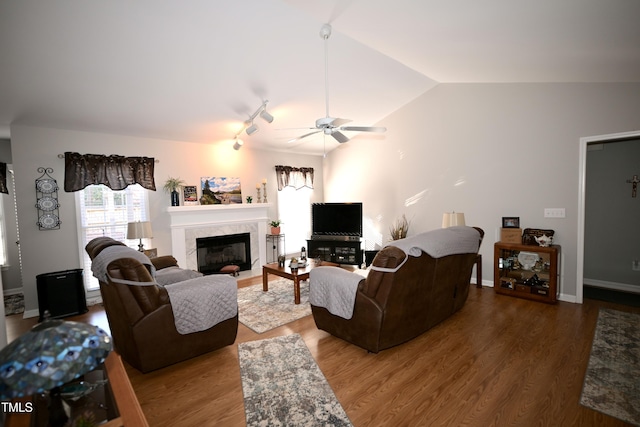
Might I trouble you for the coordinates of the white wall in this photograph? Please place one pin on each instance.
(55, 250)
(488, 150)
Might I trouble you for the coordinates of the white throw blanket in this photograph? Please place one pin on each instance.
(169, 275)
(200, 303)
(109, 254)
(437, 243)
(334, 289)
(441, 242)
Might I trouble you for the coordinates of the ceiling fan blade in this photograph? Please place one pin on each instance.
(303, 136)
(339, 122)
(364, 128)
(339, 136)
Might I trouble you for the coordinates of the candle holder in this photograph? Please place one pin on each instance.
(264, 186)
(258, 198)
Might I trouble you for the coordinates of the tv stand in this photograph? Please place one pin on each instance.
(335, 237)
(345, 250)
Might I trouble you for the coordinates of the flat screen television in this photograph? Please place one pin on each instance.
(336, 219)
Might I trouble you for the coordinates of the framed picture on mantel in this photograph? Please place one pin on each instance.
(190, 195)
(220, 190)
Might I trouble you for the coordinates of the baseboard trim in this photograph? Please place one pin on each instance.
(624, 287)
(31, 313)
(568, 298)
(14, 291)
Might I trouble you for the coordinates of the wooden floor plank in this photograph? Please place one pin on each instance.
(499, 361)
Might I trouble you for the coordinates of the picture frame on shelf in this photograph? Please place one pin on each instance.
(510, 222)
(190, 194)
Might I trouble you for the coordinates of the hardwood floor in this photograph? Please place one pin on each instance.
(499, 361)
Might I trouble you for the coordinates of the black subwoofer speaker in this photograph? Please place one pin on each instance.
(61, 293)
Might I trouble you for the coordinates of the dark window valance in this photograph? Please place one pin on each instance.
(116, 172)
(289, 176)
(3, 178)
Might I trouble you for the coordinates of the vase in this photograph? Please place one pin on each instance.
(275, 230)
(175, 198)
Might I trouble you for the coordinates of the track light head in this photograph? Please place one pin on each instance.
(250, 127)
(253, 128)
(266, 116)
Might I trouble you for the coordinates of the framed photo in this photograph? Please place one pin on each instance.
(220, 190)
(190, 194)
(510, 222)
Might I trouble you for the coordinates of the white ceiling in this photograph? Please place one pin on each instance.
(194, 71)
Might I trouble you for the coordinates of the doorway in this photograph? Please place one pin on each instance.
(585, 142)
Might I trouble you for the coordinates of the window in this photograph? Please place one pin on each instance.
(4, 220)
(3, 234)
(294, 208)
(105, 212)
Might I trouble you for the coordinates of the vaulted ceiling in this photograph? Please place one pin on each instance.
(196, 70)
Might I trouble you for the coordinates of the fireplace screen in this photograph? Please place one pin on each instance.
(218, 251)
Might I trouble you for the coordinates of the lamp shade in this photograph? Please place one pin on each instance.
(452, 219)
(139, 230)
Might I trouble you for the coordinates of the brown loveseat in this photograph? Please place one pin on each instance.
(392, 307)
(141, 318)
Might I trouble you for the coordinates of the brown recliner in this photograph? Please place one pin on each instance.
(394, 307)
(141, 318)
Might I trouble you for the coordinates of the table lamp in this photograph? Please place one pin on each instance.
(139, 230)
(452, 219)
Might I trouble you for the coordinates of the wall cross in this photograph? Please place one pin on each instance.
(634, 185)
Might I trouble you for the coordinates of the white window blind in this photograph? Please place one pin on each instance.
(105, 212)
(3, 233)
(294, 209)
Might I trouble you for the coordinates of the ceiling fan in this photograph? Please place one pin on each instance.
(332, 125)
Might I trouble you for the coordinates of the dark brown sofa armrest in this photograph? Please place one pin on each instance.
(164, 261)
(148, 296)
(95, 246)
(389, 257)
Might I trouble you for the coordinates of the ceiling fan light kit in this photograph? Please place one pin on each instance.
(328, 125)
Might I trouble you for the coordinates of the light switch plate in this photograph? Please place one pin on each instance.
(554, 213)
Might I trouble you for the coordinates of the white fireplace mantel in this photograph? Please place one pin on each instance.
(212, 220)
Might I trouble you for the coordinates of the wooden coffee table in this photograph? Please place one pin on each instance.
(296, 276)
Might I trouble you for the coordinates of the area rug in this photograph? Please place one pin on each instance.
(283, 386)
(612, 381)
(13, 304)
(262, 311)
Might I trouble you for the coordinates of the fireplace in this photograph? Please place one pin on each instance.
(189, 223)
(215, 252)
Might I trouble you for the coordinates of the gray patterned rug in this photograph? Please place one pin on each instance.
(283, 386)
(612, 381)
(262, 311)
(13, 304)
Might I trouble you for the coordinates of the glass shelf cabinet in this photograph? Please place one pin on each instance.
(527, 271)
